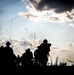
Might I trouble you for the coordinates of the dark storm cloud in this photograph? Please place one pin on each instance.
(58, 6)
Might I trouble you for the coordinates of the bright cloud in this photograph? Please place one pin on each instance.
(27, 15)
(71, 24)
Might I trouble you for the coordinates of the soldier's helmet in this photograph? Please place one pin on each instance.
(8, 43)
(28, 49)
(45, 41)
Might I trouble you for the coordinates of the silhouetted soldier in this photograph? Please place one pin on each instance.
(37, 56)
(23, 59)
(9, 55)
(18, 60)
(27, 58)
(45, 49)
(1, 56)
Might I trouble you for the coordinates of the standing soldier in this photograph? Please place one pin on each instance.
(37, 56)
(45, 49)
(18, 60)
(27, 58)
(9, 55)
(2, 56)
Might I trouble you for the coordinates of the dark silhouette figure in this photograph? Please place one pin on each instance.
(45, 49)
(37, 53)
(18, 61)
(1, 56)
(41, 53)
(27, 58)
(9, 56)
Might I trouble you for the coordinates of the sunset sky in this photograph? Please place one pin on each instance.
(50, 19)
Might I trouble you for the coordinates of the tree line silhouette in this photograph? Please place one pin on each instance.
(41, 54)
